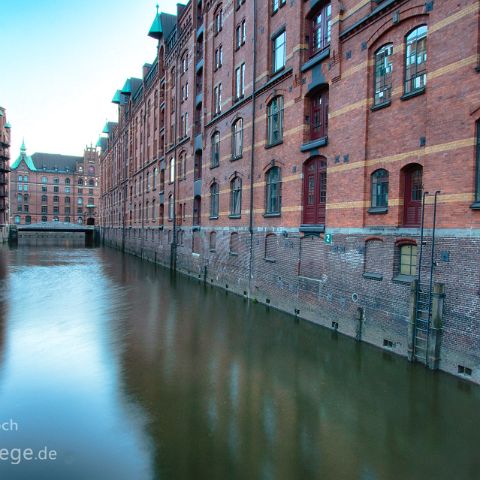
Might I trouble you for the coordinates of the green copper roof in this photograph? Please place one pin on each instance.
(156, 30)
(116, 98)
(27, 159)
(106, 128)
(99, 143)
(127, 87)
(7, 125)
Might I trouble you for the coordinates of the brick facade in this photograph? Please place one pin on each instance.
(358, 108)
(50, 187)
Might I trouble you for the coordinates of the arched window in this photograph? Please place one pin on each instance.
(80, 201)
(44, 198)
(236, 197)
(214, 200)
(321, 29)
(28, 219)
(55, 181)
(154, 212)
(275, 121)
(237, 139)
(44, 180)
(17, 219)
(383, 74)
(55, 219)
(147, 210)
(67, 181)
(213, 241)
(91, 183)
(215, 160)
(80, 181)
(91, 169)
(155, 175)
(379, 189)
(170, 207)
(416, 60)
(273, 191)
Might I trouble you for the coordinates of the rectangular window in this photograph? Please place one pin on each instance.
(321, 29)
(218, 57)
(44, 188)
(44, 209)
(55, 210)
(217, 99)
(25, 208)
(55, 189)
(240, 81)
(215, 160)
(279, 49)
(276, 4)
(408, 259)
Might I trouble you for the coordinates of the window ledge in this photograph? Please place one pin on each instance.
(377, 210)
(212, 250)
(234, 216)
(271, 260)
(415, 93)
(271, 215)
(379, 106)
(317, 58)
(319, 142)
(233, 158)
(233, 254)
(373, 276)
(213, 218)
(271, 145)
(404, 278)
(312, 228)
(475, 205)
(214, 166)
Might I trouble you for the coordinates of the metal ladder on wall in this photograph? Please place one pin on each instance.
(424, 286)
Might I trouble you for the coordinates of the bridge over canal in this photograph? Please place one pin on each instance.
(46, 229)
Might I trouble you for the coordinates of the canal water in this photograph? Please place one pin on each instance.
(121, 371)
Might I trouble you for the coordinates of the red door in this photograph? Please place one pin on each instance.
(412, 202)
(314, 191)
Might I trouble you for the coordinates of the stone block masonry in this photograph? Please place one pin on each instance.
(281, 150)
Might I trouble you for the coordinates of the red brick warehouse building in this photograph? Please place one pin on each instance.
(46, 187)
(283, 150)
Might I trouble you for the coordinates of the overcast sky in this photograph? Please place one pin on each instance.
(61, 62)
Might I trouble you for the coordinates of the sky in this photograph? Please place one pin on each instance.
(61, 63)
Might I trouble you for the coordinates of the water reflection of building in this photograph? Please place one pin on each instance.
(52, 187)
(3, 300)
(233, 390)
(4, 172)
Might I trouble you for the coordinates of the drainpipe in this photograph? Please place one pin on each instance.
(252, 153)
(143, 168)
